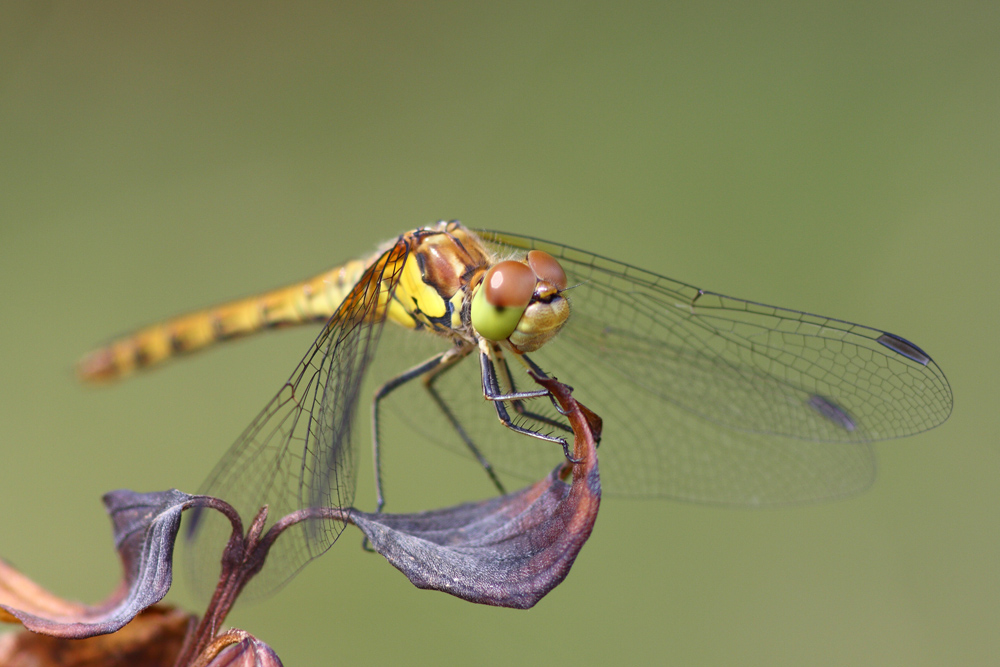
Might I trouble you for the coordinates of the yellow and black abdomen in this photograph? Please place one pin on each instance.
(313, 300)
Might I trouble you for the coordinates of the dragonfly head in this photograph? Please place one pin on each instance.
(521, 302)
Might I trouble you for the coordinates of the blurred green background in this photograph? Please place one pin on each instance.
(838, 159)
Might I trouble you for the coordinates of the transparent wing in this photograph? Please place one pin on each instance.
(300, 450)
(709, 398)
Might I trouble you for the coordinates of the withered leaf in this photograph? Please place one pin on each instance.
(145, 527)
(155, 637)
(508, 551)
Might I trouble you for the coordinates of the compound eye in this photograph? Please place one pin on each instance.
(547, 268)
(509, 285)
(500, 301)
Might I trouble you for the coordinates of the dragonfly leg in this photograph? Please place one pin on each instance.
(491, 386)
(537, 370)
(519, 406)
(430, 370)
(429, 380)
(383, 391)
(491, 390)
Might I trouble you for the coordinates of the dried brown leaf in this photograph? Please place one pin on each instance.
(508, 551)
(153, 638)
(145, 527)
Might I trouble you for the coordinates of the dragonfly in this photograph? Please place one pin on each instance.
(705, 397)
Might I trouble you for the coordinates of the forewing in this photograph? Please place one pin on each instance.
(300, 450)
(707, 397)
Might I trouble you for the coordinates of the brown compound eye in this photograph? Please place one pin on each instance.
(509, 285)
(547, 268)
(501, 299)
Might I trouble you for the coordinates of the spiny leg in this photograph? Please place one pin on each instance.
(491, 391)
(383, 391)
(537, 370)
(503, 368)
(430, 370)
(429, 381)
